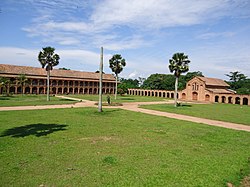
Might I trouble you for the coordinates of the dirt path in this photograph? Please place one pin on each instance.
(135, 108)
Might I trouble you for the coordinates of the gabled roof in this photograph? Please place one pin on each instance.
(213, 81)
(34, 71)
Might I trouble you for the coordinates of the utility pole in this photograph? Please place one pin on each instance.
(100, 82)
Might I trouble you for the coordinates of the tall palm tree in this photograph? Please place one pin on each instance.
(22, 80)
(5, 84)
(48, 60)
(178, 64)
(116, 63)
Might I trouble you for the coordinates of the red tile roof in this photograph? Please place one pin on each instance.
(34, 71)
(213, 81)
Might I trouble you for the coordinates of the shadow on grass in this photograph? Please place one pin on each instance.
(4, 98)
(37, 130)
(129, 99)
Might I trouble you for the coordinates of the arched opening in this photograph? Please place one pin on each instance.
(135, 92)
(70, 90)
(54, 90)
(71, 83)
(65, 90)
(223, 99)
(54, 83)
(34, 90)
(95, 91)
(86, 91)
(216, 99)
(41, 90)
(111, 91)
(81, 83)
(142, 93)
(103, 91)
(167, 95)
(19, 90)
(160, 94)
(90, 91)
(12, 89)
(41, 82)
(156, 94)
(207, 97)
(237, 100)
(65, 83)
(245, 101)
(60, 83)
(146, 93)
(59, 91)
(230, 100)
(177, 95)
(152, 94)
(27, 90)
(107, 91)
(172, 95)
(183, 96)
(34, 82)
(81, 91)
(194, 96)
(76, 83)
(76, 91)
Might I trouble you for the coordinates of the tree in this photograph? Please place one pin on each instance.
(116, 63)
(22, 80)
(177, 65)
(48, 60)
(239, 82)
(236, 76)
(5, 83)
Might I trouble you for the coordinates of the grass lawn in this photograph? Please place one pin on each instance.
(120, 99)
(222, 112)
(31, 100)
(81, 147)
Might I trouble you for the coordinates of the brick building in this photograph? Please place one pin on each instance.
(61, 81)
(200, 89)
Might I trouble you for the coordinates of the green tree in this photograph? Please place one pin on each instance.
(48, 60)
(22, 80)
(159, 82)
(177, 65)
(236, 76)
(116, 64)
(5, 84)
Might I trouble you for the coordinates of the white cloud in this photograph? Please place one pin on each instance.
(107, 17)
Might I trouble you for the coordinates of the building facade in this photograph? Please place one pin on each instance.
(200, 89)
(61, 81)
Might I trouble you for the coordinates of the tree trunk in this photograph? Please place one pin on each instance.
(116, 78)
(48, 77)
(100, 82)
(175, 92)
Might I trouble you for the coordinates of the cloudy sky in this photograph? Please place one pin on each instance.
(215, 34)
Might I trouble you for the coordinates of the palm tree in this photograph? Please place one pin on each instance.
(178, 64)
(22, 80)
(5, 83)
(116, 63)
(48, 60)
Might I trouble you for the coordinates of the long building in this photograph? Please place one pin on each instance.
(200, 89)
(61, 81)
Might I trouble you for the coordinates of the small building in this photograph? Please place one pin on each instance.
(61, 81)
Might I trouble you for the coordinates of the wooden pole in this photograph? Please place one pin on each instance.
(100, 82)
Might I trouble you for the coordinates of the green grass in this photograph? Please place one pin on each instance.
(120, 99)
(31, 100)
(222, 112)
(81, 147)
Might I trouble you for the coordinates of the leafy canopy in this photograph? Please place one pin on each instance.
(179, 64)
(116, 64)
(48, 59)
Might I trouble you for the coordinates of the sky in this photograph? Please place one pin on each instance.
(215, 34)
